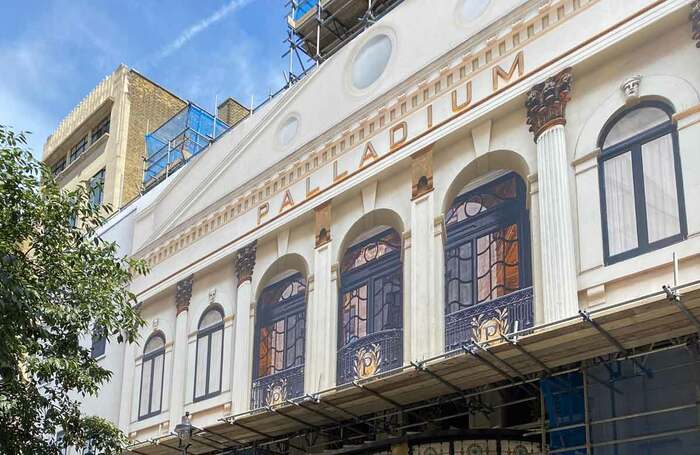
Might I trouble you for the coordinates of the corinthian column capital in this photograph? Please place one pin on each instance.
(695, 20)
(183, 294)
(245, 262)
(546, 102)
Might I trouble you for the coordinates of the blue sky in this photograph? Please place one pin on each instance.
(53, 52)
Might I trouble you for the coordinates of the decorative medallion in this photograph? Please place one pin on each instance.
(276, 393)
(245, 262)
(546, 102)
(695, 20)
(491, 329)
(475, 449)
(368, 360)
(183, 294)
(521, 450)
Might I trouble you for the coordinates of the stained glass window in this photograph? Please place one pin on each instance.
(281, 326)
(485, 250)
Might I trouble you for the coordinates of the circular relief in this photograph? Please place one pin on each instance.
(288, 130)
(475, 450)
(468, 10)
(371, 61)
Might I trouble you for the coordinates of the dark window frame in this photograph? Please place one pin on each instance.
(97, 188)
(510, 212)
(364, 275)
(78, 149)
(270, 312)
(98, 346)
(59, 166)
(633, 146)
(202, 334)
(146, 357)
(101, 129)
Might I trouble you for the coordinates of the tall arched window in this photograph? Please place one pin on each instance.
(487, 263)
(279, 348)
(151, 396)
(210, 354)
(641, 188)
(370, 338)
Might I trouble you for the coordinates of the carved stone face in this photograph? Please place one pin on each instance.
(630, 88)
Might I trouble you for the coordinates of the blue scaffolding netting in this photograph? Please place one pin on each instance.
(304, 7)
(176, 141)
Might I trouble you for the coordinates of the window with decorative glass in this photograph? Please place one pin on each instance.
(370, 307)
(209, 354)
(487, 262)
(152, 371)
(641, 188)
(279, 347)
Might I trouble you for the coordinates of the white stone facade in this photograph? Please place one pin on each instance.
(457, 91)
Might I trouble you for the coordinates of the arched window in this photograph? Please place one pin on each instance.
(210, 354)
(151, 396)
(487, 263)
(641, 189)
(279, 348)
(370, 336)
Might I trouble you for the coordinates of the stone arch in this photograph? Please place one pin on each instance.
(281, 266)
(675, 91)
(369, 221)
(500, 160)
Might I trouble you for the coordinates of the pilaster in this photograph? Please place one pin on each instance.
(183, 295)
(242, 353)
(546, 108)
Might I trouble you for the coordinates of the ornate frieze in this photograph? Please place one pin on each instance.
(245, 262)
(183, 294)
(546, 102)
(695, 20)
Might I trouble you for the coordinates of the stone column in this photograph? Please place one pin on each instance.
(183, 295)
(426, 314)
(127, 388)
(243, 335)
(546, 105)
(321, 311)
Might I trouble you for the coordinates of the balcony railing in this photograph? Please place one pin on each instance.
(373, 354)
(489, 320)
(278, 387)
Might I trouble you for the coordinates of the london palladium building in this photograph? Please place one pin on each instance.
(472, 229)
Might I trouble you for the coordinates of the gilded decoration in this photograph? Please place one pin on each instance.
(183, 294)
(323, 224)
(546, 102)
(245, 262)
(276, 393)
(422, 172)
(695, 20)
(368, 360)
(490, 327)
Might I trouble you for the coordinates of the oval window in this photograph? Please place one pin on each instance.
(471, 9)
(288, 130)
(371, 61)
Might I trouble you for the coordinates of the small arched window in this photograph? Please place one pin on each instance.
(279, 348)
(641, 188)
(371, 319)
(210, 354)
(151, 396)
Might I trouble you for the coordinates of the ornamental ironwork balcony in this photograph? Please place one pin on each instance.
(370, 355)
(275, 388)
(489, 320)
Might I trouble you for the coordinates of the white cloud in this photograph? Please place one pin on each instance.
(201, 26)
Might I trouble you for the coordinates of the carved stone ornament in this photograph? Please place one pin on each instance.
(546, 102)
(695, 21)
(245, 262)
(630, 88)
(183, 294)
(212, 295)
(276, 393)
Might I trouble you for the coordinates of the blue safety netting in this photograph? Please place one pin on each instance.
(303, 7)
(176, 141)
(564, 403)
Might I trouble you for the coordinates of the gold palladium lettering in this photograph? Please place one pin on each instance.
(369, 155)
(518, 65)
(287, 201)
(401, 127)
(311, 192)
(337, 177)
(429, 113)
(456, 106)
(263, 210)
